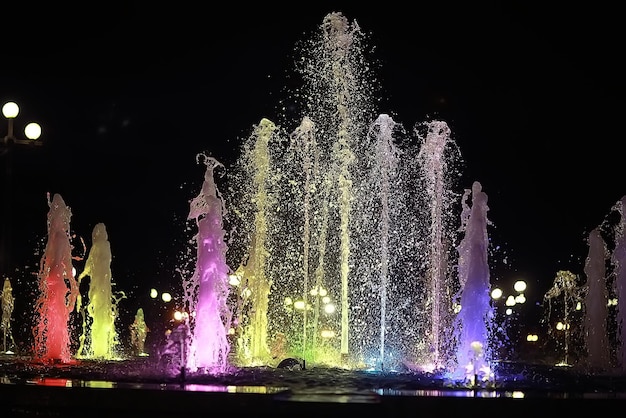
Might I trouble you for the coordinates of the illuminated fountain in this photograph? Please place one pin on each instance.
(99, 330)
(563, 298)
(57, 286)
(596, 304)
(351, 258)
(475, 315)
(343, 234)
(254, 286)
(619, 260)
(7, 302)
(343, 231)
(138, 333)
(436, 159)
(207, 290)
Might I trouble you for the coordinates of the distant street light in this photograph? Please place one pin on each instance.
(32, 132)
(511, 300)
(519, 286)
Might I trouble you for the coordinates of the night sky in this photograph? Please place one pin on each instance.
(127, 95)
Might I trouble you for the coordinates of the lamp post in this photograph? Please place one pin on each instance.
(32, 131)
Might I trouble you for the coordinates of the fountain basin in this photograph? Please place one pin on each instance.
(136, 386)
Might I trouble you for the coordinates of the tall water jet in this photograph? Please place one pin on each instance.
(102, 309)
(381, 223)
(386, 152)
(619, 261)
(339, 100)
(252, 339)
(596, 305)
(475, 316)
(435, 157)
(206, 292)
(567, 293)
(304, 146)
(138, 333)
(58, 288)
(7, 302)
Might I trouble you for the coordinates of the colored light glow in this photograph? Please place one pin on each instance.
(496, 293)
(166, 297)
(154, 293)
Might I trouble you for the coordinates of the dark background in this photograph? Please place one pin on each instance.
(128, 94)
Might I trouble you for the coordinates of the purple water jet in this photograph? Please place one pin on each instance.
(475, 316)
(208, 289)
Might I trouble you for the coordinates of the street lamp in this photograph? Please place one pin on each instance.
(32, 132)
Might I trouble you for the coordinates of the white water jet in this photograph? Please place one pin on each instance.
(385, 169)
(619, 261)
(339, 101)
(436, 174)
(596, 305)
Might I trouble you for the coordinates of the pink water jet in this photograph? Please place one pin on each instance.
(57, 286)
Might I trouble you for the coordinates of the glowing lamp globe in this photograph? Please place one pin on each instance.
(10, 110)
(32, 131)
